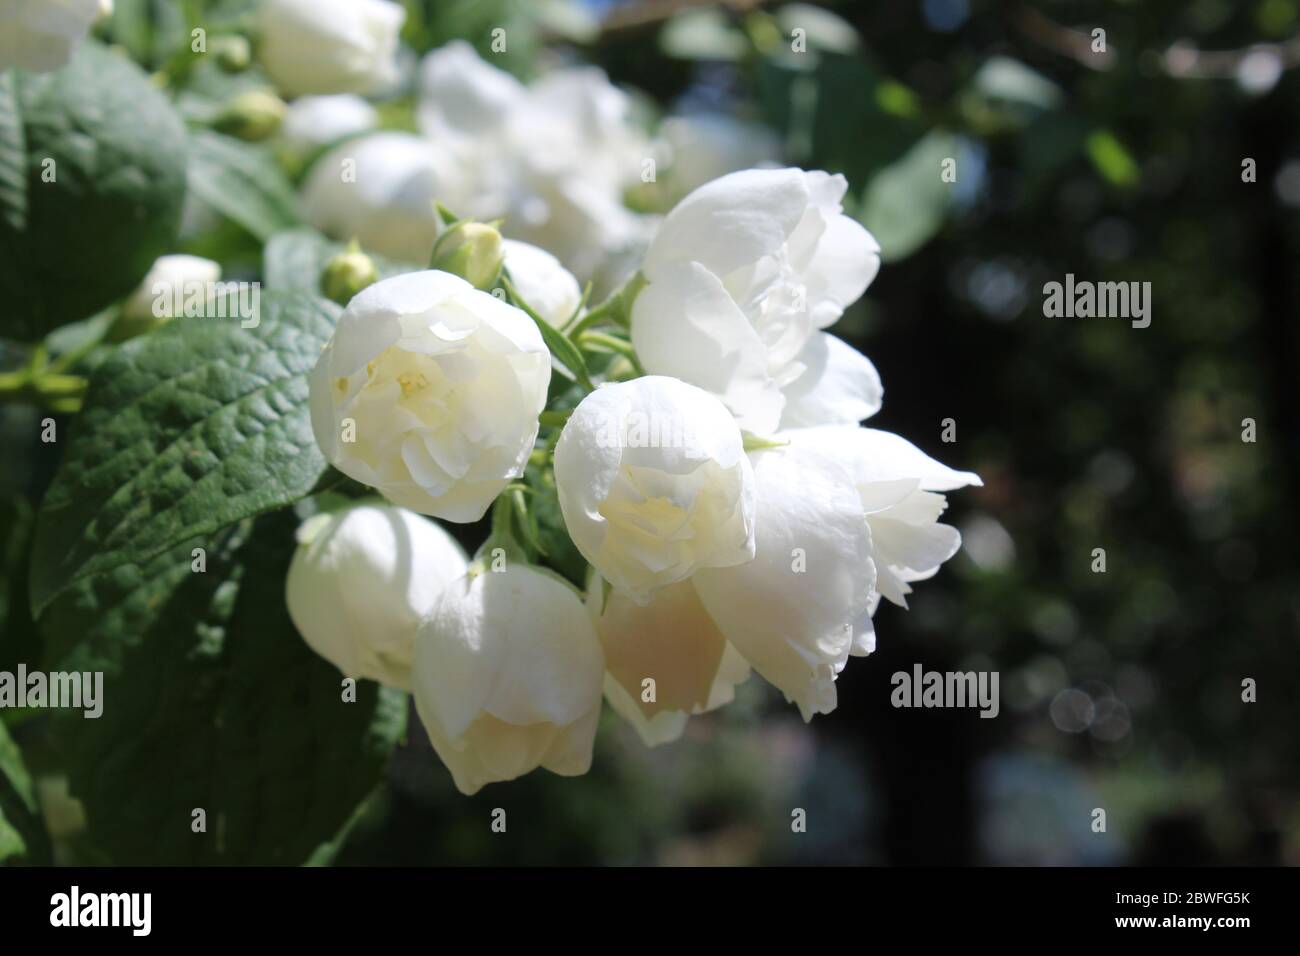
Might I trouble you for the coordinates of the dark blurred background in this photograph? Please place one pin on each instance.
(1123, 690)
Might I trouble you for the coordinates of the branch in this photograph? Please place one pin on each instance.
(1066, 41)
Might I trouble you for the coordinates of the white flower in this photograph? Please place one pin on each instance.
(571, 122)
(361, 581)
(583, 222)
(898, 485)
(549, 289)
(315, 121)
(429, 391)
(381, 189)
(705, 146)
(575, 122)
(169, 280)
(552, 159)
(654, 484)
(671, 642)
(839, 385)
(577, 151)
(791, 611)
(465, 107)
(330, 46)
(42, 35)
(743, 274)
(462, 96)
(507, 677)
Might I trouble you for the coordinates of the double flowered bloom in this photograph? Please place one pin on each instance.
(734, 514)
(744, 274)
(429, 392)
(552, 159)
(654, 484)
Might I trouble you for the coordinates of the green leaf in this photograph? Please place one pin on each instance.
(1012, 83)
(92, 179)
(243, 182)
(565, 352)
(13, 156)
(1112, 159)
(184, 431)
(704, 34)
(19, 638)
(150, 29)
(213, 701)
(296, 258)
(820, 105)
(566, 20)
(19, 818)
(906, 204)
(822, 29)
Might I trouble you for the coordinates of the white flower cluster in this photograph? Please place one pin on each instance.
(553, 159)
(733, 511)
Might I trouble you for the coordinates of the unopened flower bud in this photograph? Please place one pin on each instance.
(234, 53)
(506, 673)
(171, 281)
(347, 274)
(251, 116)
(360, 582)
(330, 46)
(471, 250)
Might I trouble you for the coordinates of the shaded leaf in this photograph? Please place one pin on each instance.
(905, 205)
(184, 431)
(243, 182)
(103, 163)
(213, 701)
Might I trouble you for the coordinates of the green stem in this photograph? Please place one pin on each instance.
(502, 514)
(560, 346)
(70, 358)
(40, 383)
(616, 309)
(554, 419)
(568, 326)
(527, 519)
(612, 343)
(502, 536)
(592, 318)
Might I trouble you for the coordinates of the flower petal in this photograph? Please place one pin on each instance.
(685, 324)
(839, 386)
(731, 222)
(883, 456)
(516, 644)
(791, 610)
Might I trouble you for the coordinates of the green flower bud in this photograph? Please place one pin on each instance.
(251, 116)
(347, 274)
(234, 53)
(471, 250)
